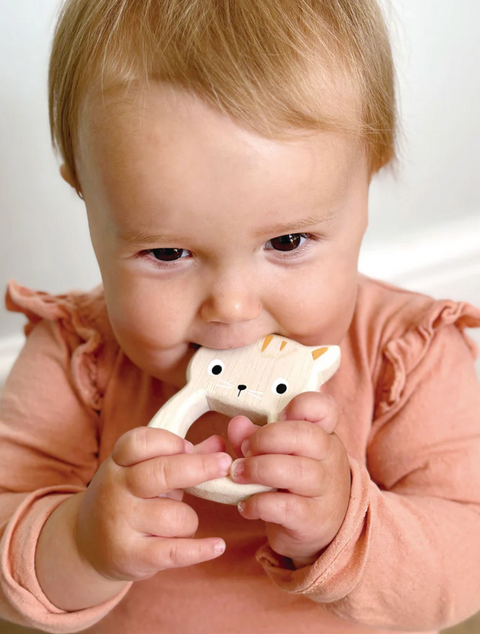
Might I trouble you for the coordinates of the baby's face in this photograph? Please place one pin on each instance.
(210, 234)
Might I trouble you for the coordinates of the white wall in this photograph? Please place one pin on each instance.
(43, 231)
(437, 48)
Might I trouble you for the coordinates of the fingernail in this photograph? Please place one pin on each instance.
(225, 462)
(238, 468)
(219, 548)
(241, 507)
(245, 447)
(188, 446)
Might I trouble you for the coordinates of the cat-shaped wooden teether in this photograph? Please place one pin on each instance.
(257, 381)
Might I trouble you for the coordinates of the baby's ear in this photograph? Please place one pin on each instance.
(67, 176)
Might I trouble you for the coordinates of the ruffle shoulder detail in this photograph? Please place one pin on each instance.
(403, 354)
(84, 327)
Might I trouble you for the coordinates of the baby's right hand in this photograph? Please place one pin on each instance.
(132, 522)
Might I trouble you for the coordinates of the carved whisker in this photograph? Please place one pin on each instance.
(255, 392)
(226, 382)
(255, 396)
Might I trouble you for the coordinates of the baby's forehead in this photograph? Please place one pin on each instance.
(295, 66)
(114, 120)
(162, 161)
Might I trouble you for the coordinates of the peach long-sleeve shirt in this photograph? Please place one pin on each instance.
(407, 556)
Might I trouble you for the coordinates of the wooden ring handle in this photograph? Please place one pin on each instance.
(253, 388)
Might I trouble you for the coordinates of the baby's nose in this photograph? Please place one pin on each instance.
(229, 301)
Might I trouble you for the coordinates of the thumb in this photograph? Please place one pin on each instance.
(239, 429)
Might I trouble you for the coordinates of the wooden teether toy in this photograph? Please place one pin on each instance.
(257, 381)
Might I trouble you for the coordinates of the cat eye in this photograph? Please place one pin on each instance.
(280, 386)
(216, 367)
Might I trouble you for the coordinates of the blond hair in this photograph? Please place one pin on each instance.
(277, 66)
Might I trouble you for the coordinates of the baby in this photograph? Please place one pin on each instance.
(224, 151)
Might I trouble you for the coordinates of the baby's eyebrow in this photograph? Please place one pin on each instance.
(134, 236)
(279, 229)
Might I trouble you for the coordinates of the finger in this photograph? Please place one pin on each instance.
(175, 494)
(214, 444)
(155, 477)
(160, 554)
(296, 438)
(144, 443)
(315, 407)
(298, 475)
(164, 518)
(240, 428)
(295, 513)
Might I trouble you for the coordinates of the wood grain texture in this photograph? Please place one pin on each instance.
(257, 381)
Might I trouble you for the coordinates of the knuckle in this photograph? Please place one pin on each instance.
(124, 561)
(271, 432)
(172, 558)
(284, 509)
(183, 518)
(118, 451)
(206, 468)
(131, 480)
(129, 445)
(161, 474)
(140, 439)
(258, 468)
(136, 441)
(179, 553)
(302, 432)
(298, 469)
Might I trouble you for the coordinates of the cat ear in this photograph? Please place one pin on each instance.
(266, 342)
(318, 352)
(326, 362)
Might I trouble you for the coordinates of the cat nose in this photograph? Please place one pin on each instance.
(241, 388)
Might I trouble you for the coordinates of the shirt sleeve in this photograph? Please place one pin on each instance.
(407, 555)
(48, 452)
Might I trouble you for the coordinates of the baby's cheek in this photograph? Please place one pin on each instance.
(327, 309)
(144, 309)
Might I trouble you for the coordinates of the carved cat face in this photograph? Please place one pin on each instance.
(261, 379)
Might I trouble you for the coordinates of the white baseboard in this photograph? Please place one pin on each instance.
(443, 262)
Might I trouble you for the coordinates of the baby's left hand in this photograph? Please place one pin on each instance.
(302, 458)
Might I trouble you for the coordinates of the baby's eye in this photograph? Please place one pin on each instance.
(169, 255)
(288, 242)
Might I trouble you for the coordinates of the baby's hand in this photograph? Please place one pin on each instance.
(302, 458)
(132, 522)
